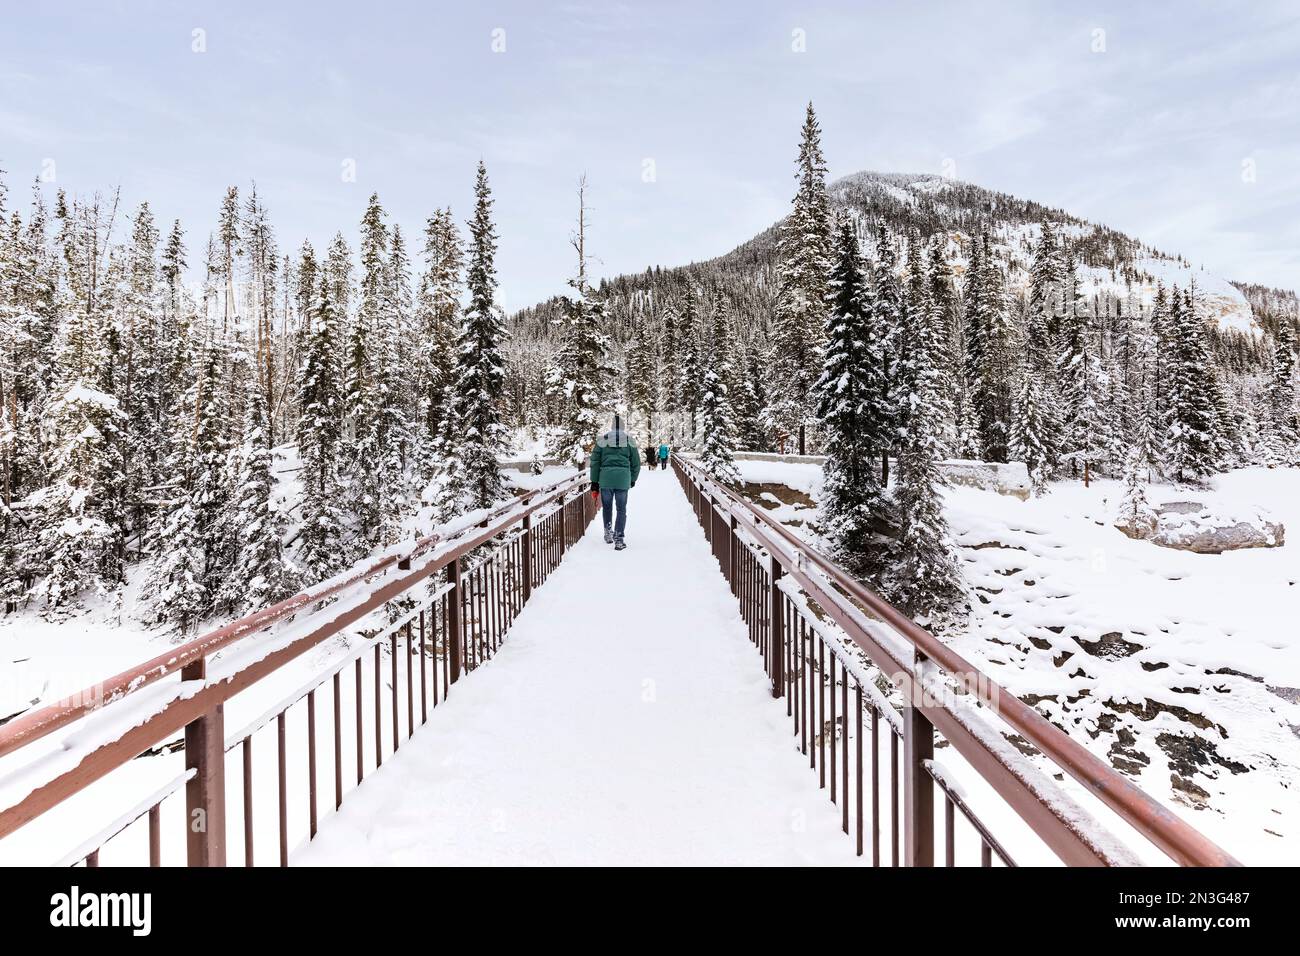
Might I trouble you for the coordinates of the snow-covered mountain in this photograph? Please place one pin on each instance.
(1112, 263)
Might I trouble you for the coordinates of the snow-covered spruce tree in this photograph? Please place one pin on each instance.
(889, 333)
(471, 468)
(1162, 361)
(28, 322)
(306, 280)
(715, 427)
(969, 445)
(851, 421)
(945, 323)
(81, 514)
(262, 573)
(174, 582)
(1225, 423)
(914, 335)
(641, 358)
(28, 319)
(974, 316)
(228, 247)
(402, 409)
(1282, 420)
(175, 589)
(925, 580)
(1125, 350)
(580, 379)
(81, 534)
(438, 317)
(1190, 446)
(320, 540)
(367, 465)
(377, 490)
(1073, 369)
(1136, 517)
(668, 395)
(994, 362)
(1090, 432)
(217, 438)
(934, 307)
(139, 307)
(1115, 401)
(802, 274)
(1042, 319)
(1031, 433)
(689, 370)
(337, 270)
(750, 399)
(722, 339)
(175, 342)
(263, 267)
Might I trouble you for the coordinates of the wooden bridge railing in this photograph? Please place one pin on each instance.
(846, 663)
(451, 600)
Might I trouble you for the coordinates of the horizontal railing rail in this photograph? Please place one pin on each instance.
(489, 565)
(816, 624)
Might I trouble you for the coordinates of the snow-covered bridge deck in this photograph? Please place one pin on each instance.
(627, 720)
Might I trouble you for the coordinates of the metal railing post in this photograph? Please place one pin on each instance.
(454, 636)
(774, 625)
(562, 541)
(528, 557)
(918, 786)
(205, 792)
(731, 552)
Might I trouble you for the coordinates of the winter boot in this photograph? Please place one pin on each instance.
(609, 536)
(619, 544)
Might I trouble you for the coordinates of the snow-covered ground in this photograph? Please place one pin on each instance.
(527, 443)
(626, 720)
(1181, 669)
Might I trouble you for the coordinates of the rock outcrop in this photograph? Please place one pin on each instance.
(1195, 526)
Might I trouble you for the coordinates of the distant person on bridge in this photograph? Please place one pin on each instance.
(615, 465)
(650, 456)
(663, 456)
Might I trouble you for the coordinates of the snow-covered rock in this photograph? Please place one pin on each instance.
(1194, 526)
(1009, 478)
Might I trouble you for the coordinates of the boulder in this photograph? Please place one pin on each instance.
(1195, 526)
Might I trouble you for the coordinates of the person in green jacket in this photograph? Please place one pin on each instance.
(615, 465)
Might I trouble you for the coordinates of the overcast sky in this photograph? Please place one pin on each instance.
(1175, 122)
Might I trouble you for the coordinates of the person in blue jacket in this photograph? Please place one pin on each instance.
(615, 465)
(663, 456)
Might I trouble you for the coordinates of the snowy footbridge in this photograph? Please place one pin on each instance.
(539, 698)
